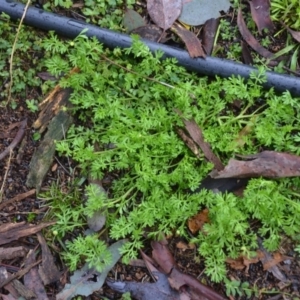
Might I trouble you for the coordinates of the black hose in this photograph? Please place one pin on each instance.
(210, 66)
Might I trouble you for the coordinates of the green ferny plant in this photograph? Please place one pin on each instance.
(125, 101)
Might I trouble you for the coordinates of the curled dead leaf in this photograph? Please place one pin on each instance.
(250, 39)
(191, 41)
(260, 11)
(196, 222)
(270, 164)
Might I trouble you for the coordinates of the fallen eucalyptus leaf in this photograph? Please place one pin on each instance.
(250, 39)
(164, 12)
(150, 32)
(197, 12)
(132, 20)
(260, 11)
(294, 34)
(209, 33)
(270, 164)
(191, 41)
(196, 134)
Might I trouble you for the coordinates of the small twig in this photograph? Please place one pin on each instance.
(63, 166)
(135, 73)
(16, 140)
(5, 176)
(13, 51)
(17, 198)
(19, 274)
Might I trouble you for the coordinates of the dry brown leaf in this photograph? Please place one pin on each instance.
(196, 134)
(247, 58)
(162, 255)
(209, 33)
(150, 32)
(277, 258)
(236, 264)
(191, 41)
(250, 39)
(32, 279)
(243, 262)
(164, 12)
(260, 11)
(189, 142)
(294, 34)
(184, 246)
(196, 222)
(13, 231)
(265, 258)
(48, 271)
(270, 164)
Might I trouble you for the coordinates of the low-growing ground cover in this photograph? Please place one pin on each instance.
(126, 105)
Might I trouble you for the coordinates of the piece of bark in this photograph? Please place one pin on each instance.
(32, 279)
(19, 274)
(19, 136)
(53, 103)
(24, 291)
(13, 231)
(12, 252)
(43, 157)
(9, 287)
(48, 270)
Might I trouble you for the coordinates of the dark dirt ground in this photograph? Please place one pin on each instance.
(16, 170)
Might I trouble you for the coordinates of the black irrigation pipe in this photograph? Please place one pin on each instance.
(210, 66)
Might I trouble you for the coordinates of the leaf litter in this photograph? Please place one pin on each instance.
(250, 39)
(170, 282)
(159, 274)
(269, 164)
(260, 11)
(197, 12)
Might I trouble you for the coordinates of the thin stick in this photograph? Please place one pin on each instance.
(17, 198)
(5, 175)
(16, 140)
(13, 51)
(19, 274)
